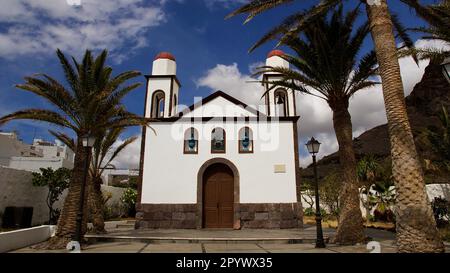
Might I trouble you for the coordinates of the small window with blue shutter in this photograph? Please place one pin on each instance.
(191, 141)
(245, 140)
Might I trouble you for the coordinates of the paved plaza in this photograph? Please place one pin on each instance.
(225, 241)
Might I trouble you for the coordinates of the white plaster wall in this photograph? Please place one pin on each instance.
(164, 67)
(17, 190)
(169, 176)
(35, 163)
(438, 190)
(277, 61)
(220, 107)
(9, 146)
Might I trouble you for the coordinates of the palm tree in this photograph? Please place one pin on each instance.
(416, 227)
(104, 152)
(326, 59)
(90, 103)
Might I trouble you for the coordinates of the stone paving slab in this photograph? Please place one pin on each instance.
(294, 248)
(172, 248)
(115, 247)
(233, 248)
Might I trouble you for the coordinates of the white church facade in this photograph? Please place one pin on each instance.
(218, 163)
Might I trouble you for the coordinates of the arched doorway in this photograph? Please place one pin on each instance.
(218, 196)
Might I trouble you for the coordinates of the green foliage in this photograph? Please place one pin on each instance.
(309, 211)
(329, 191)
(368, 169)
(133, 182)
(382, 197)
(56, 182)
(129, 199)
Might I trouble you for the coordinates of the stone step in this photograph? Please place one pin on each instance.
(127, 225)
(176, 240)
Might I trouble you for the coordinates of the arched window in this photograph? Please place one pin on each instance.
(281, 103)
(191, 141)
(158, 104)
(245, 140)
(218, 140)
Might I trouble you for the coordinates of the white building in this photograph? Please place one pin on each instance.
(110, 176)
(219, 163)
(18, 155)
(11, 145)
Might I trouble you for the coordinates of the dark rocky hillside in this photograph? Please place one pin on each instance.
(423, 105)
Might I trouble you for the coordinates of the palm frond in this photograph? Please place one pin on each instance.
(38, 115)
(65, 139)
(256, 7)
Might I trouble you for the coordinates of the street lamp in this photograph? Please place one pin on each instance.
(313, 148)
(88, 142)
(446, 68)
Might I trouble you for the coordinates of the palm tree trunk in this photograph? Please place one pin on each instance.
(416, 227)
(66, 228)
(351, 223)
(95, 204)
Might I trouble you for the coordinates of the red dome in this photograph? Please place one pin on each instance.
(165, 55)
(275, 52)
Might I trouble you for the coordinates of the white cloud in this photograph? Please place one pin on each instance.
(230, 80)
(41, 26)
(130, 156)
(224, 3)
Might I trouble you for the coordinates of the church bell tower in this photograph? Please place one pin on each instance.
(162, 87)
(279, 101)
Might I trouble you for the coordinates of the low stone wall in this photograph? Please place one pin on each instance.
(16, 239)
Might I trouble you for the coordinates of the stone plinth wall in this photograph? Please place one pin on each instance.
(273, 215)
(186, 216)
(167, 216)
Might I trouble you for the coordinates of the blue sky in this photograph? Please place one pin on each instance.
(211, 52)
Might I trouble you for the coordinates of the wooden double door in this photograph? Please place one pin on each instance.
(218, 197)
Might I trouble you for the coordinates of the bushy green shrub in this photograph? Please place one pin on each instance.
(309, 212)
(129, 199)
